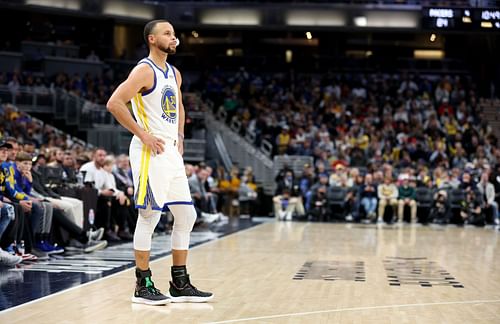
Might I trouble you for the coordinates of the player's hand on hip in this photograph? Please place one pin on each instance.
(155, 144)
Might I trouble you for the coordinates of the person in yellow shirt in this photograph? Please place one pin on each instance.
(283, 140)
(387, 195)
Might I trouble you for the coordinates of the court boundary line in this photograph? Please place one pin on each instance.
(122, 271)
(339, 310)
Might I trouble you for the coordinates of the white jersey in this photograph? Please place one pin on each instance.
(157, 109)
(160, 179)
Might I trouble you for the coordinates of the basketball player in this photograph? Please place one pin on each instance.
(156, 149)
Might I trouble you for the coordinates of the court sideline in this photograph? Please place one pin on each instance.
(309, 273)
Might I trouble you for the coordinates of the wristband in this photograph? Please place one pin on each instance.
(181, 136)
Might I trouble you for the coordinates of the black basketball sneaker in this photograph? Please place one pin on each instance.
(188, 293)
(146, 292)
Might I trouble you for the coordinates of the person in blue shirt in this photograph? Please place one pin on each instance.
(18, 187)
(7, 218)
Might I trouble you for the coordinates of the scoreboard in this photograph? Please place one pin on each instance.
(461, 19)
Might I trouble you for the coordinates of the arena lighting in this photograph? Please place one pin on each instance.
(433, 38)
(309, 35)
(466, 20)
(314, 18)
(289, 56)
(390, 19)
(242, 17)
(62, 4)
(486, 24)
(428, 54)
(195, 34)
(229, 52)
(360, 21)
(128, 9)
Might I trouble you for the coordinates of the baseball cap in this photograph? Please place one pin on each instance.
(5, 144)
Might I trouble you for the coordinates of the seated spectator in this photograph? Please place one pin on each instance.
(211, 181)
(440, 210)
(406, 197)
(487, 191)
(467, 182)
(387, 195)
(339, 172)
(40, 160)
(285, 205)
(111, 203)
(368, 195)
(124, 183)
(495, 179)
(322, 181)
(7, 216)
(455, 178)
(350, 196)
(14, 235)
(287, 200)
(319, 203)
(125, 220)
(29, 147)
(306, 181)
(232, 195)
(71, 207)
(247, 195)
(283, 140)
(123, 175)
(64, 217)
(69, 169)
(201, 197)
(56, 158)
(470, 211)
(18, 188)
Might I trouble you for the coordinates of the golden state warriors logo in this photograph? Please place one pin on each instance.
(169, 104)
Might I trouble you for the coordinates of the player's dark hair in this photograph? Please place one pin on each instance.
(148, 29)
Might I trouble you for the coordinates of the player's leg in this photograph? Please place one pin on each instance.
(145, 291)
(181, 289)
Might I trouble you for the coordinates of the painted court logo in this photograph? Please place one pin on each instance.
(169, 104)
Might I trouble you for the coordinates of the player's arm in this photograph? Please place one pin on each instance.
(182, 114)
(140, 78)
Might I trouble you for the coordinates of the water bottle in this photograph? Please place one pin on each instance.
(21, 248)
(91, 218)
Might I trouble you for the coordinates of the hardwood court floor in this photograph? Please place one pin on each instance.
(252, 275)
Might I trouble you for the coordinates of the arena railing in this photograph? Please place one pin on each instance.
(30, 99)
(57, 131)
(241, 151)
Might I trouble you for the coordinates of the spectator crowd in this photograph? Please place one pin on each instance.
(59, 196)
(377, 137)
(383, 147)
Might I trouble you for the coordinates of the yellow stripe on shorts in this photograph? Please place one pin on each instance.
(145, 154)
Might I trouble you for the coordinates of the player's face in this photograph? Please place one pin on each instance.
(164, 38)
